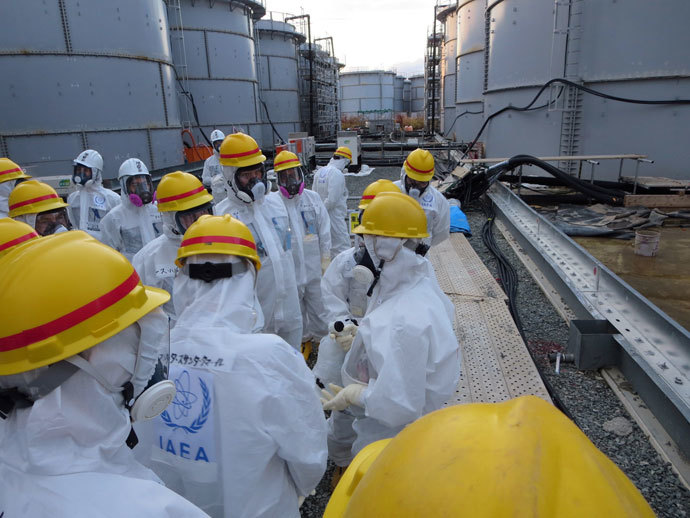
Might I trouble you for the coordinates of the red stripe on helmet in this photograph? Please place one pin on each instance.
(418, 170)
(343, 153)
(33, 200)
(79, 315)
(369, 197)
(218, 239)
(237, 155)
(286, 162)
(11, 171)
(20, 239)
(180, 196)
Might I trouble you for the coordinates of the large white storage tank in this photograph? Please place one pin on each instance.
(407, 92)
(399, 94)
(417, 96)
(94, 74)
(369, 94)
(447, 17)
(219, 62)
(278, 79)
(469, 66)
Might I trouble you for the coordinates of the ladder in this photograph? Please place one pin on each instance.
(179, 53)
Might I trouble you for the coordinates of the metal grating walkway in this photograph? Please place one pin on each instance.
(496, 364)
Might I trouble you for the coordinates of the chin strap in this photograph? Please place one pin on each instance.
(377, 275)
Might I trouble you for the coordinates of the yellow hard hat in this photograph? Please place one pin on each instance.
(375, 188)
(419, 165)
(518, 458)
(13, 233)
(218, 235)
(180, 191)
(393, 214)
(10, 171)
(240, 150)
(344, 152)
(43, 322)
(32, 197)
(285, 160)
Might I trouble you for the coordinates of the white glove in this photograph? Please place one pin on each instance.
(343, 332)
(325, 262)
(340, 398)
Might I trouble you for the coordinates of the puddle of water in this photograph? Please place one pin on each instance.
(663, 279)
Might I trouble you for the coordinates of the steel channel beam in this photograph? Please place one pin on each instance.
(656, 349)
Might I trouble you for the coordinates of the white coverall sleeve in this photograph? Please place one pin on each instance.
(441, 230)
(206, 175)
(397, 395)
(324, 228)
(111, 232)
(335, 288)
(336, 190)
(72, 207)
(296, 423)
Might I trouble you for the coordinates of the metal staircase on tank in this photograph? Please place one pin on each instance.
(567, 30)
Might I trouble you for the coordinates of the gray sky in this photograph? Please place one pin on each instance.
(369, 33)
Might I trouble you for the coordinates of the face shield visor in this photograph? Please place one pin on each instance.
(140, 189)
(81, 174)
(184, 218)
(252, 181)
(290, 182)
(216, 145)
(52, 222)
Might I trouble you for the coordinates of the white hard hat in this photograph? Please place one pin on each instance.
(131, 167)
(90, 158)
(217, 135)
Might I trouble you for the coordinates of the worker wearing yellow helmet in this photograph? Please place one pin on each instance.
(10, 175)
(404, 361)
(13, 233)
(329, 183)
(181, 199)
(37, 204)
(77, 366)
(415, 177)
(521, 457)
(247, 185)
(249, 397)
(311, 242)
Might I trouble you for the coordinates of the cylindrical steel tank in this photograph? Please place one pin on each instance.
(417, 96)
(398, 94)
(213, 46)
(369, 94)
(79, 75)
(447, 16)
(278, 78)
(469, 66)
(407, 91)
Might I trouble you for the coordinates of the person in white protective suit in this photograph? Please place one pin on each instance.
(245, 436)
(181, 201)
(212, 175)
(10, 175)
(91, 201)
(136, 221)
(344, 286)
(404, 361)
(311, 242)
(329, 183)
(38, 205)
(267, 218)
(66, 430)
(415, 175)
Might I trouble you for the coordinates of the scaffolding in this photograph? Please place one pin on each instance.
(432, 79)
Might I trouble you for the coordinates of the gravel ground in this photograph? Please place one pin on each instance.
(585, 394)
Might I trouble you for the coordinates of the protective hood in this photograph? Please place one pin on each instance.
(231, 302)
(339, 163)
(81, 425)
(404, 270)
(170, 226)
(5, 190)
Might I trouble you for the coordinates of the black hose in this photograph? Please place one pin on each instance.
(275, 131)
(196, 114)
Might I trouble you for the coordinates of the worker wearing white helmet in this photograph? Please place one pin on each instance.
(89, 204)
(136, 221)
(213, 169)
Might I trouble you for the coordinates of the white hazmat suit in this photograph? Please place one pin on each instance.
(245, 436)
(405, 351)
(329, 183)
(212, 175)
(437, 212)
(65, 456)
(311, 247)
(5, 190)
(268, 222)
